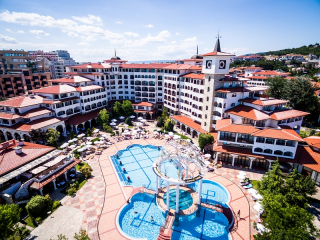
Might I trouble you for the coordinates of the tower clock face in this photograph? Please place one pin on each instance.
(208, 64)
(222, 64)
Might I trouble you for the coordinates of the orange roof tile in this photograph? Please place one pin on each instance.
(9, 160)
(194, 75)
(4, 115)
(222, 123)
(263, 102)
(285, 114)
(308, 158)
(239, 128)
(286, 134)
(146, 104)
(189, 122)
(313, 141)
(196, 67)
(88, 88)
(248, 112)
(142, 65)
(55, 89)
(75, 79)
(22, 101)
(36, 124)
(81, 118)
(178, 66)
(36, 112)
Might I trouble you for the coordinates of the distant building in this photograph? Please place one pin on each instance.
(259, 78)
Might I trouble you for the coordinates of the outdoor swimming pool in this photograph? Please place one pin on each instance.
(185, 199)
(135, 220)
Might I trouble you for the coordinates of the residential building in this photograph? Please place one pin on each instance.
(20, 73)
(259, 78)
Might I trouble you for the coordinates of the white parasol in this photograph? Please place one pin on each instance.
(140, 118)
(132, 116)
(114, 120)
(176, 137)
(64, 145)
(89, 138)
(89, 143)
(72, 146)
(207, 155)
(96, 131)
(113, 124)
(170, 133)
(122, 117)
(75, 139)
(81, 135)
(101, 138)
(70, 141)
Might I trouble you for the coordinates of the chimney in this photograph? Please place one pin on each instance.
(21, 142)
(18, 149)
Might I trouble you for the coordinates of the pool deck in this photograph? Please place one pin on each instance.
(116, 196)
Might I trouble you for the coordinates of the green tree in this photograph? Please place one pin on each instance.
(117, 109)
(37, 206)
(72, 136)
(128, 121)
(276, 87)
(127, 108)
(103, 117)
(52, 136)
(82, 235)
(89, 132)
(160, 122)
(204, 139)
(165, 114)
(85, 170)
(168, 126)
(37, 135)
(273, 180)
(9, 216)
(107, 128)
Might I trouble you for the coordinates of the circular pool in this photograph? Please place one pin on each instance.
(185, 199)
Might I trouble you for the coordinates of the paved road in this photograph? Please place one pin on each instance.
(66, 221)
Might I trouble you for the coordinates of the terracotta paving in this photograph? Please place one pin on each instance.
(102, 196)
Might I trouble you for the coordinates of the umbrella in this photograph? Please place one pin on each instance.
(98, 142)
(156, 133)
(122, 117)
(105, 135)
(125, 125)
(126, 130)
(89, 138)
(102, 138)
(188, 140)
(140, 118)
(206, 162)
(166, 135)
(64, 145)
(113, 124)
(125, 133)
(176, 137)
(143, 120)
(72, 146)
(109, 143)
(75, 139)
(114, 120)
(89, 143)
(317, 130)
(170, 133)
(96, 131)
(81, 135)
(70, 141)
(257, 196)
(158, 129)
(139, 124)
(260, 228)
(82, 149)
(132, 116)
(252, 191)
(207, 155)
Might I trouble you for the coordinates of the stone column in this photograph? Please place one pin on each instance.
(65, 174)
(54, 184)
(199, 191)
(177, 198)
(5, 136)
(233, 158)
(168, 195)
(41, 192)
(216, 159)
(251, 160)
(157, 184)
(76, 126)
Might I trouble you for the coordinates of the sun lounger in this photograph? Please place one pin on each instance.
(248, 186)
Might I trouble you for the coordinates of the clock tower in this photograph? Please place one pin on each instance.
(215, 66)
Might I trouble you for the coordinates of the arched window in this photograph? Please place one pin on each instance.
(220, 105)
(278, 152)
(215, 104)
(269, 151)
(233, 104)
(288, 154)
(258, 150)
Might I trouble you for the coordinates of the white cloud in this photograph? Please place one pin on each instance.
(178, 34)
(160, 38)
(90, 19)
(19, 31)
(149, 26)
(34, 19)
(83, 43)
(72, 34)
(118, 22)
(132, 34)
(40, 33)
(6, 39)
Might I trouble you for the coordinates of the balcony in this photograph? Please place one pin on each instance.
(229, 139)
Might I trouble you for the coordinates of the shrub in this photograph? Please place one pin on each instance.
(128, 121)
(89, 132)
(55, 205)
(94, 140)
(72, 136)
(312, 132)
(112, 134)
(107, 128)
(85, 170)
(204, 139)
(37, 206)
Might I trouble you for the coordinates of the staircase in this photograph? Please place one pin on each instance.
(23, 190)
(166, 232)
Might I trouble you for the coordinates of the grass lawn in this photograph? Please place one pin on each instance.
(81, 182)
(183, 136)
(255, 184)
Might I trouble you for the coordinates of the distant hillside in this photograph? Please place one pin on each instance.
(304, 50)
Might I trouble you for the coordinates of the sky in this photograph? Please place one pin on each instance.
(144, 30)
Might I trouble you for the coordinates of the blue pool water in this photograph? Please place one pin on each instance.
(185, 199)
(138, 160)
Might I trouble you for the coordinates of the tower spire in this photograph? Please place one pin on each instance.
(217, 47)
(115, 52)
(197, 50)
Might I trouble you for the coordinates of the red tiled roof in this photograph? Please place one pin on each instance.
(196, 67)
(239, 128)
(222, 123)
(22, 101)
(88, 88)
(308, 158)
(36, 124)
(82, 118)
(271, 73)
(145, 111)
(36, 112)
(141, 65)
(254, 68)
(217, 54)
(194, 75)
(178, 66)
(9, 160)
(55, 89)
(313, 141)
(285, 114)
(248, 112)
(146, 104)
(234, 89)
(75, 79)
(189, 122)
(286, 134)
(257, 77)
(4, 115)
(38, 185)
(263, 102)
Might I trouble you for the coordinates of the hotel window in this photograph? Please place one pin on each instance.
(234, 94)
(270, 141)
(208, 89)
